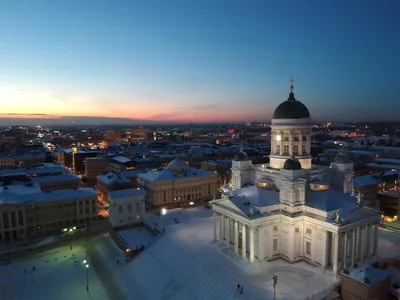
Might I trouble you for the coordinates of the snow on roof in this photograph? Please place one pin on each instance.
(55, 178)
(388, 160)
(125, 193)
(34, 194)
(218, 161)
(111, 178)
(122, 159)
(166, 174)
(365, 180)
(131, 173)
(374, 275)
(177, 163)
(383, 166)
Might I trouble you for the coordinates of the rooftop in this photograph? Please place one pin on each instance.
(15, 194)
(55, 178)
(111, 178)
(166, 174)
(122, 159)
(374, 275)
(125, 193)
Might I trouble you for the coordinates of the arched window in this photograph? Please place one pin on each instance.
(120, 209)
(129, 208)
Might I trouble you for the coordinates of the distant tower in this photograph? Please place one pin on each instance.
(241, 167)
(190, 128)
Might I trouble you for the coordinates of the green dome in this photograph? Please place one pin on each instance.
(292, 164)
(291, 109)
(342, 158)
(241, 156)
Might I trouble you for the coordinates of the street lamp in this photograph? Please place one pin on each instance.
(85, 262)
(275, 279)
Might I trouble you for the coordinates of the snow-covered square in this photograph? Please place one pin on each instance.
(55, 274)
(184, 263)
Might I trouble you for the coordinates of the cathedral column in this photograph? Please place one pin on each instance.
(236, 237)
(368, 240)
(251, 230)
(281, 142)
(353, 246)
(358, 243)
(243, 241)
(301, 144)
(290, 143)
(221, 231)
(215, 226)
(376, 232)
(362, 243)
(228, 231)
(335, 252)
(345, 250)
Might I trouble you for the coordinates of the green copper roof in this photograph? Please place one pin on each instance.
(291, 109)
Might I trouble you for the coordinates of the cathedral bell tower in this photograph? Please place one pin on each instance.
(293, 186)
(291, 133)
(343, 172)
(241, 167)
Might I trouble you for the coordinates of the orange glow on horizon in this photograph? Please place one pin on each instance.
(28, 104)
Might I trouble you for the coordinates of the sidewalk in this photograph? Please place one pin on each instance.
(50, 240)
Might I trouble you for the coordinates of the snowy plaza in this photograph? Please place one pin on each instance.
(184, 263)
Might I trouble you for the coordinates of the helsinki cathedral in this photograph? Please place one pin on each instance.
(291, 209)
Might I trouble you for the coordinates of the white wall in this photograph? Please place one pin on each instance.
(122, 215)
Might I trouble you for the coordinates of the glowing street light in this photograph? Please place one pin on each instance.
(163, 211)
(191, 203)
(85, 263)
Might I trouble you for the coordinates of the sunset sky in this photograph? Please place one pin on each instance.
(206, 60)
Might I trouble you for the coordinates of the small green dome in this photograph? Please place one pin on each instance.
(291, 109)
(342, 158)
(241, 156)
(292, 164)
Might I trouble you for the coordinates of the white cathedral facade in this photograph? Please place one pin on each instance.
(294, 210)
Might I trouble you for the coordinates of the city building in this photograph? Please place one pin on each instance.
(126, 206)
(366, 283)
(95, 166)
(108, 182)
(178, 184)
(57, 182)
(294, 210)
(26, 211)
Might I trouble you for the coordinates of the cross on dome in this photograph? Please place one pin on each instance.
(291, 85)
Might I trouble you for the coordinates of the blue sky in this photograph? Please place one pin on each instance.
(202, 60)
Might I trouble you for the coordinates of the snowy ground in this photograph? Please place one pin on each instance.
(388, 244)
(135, 237)
(183, 263)
(59, 274)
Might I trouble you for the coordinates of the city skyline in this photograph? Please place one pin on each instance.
(197, 62)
